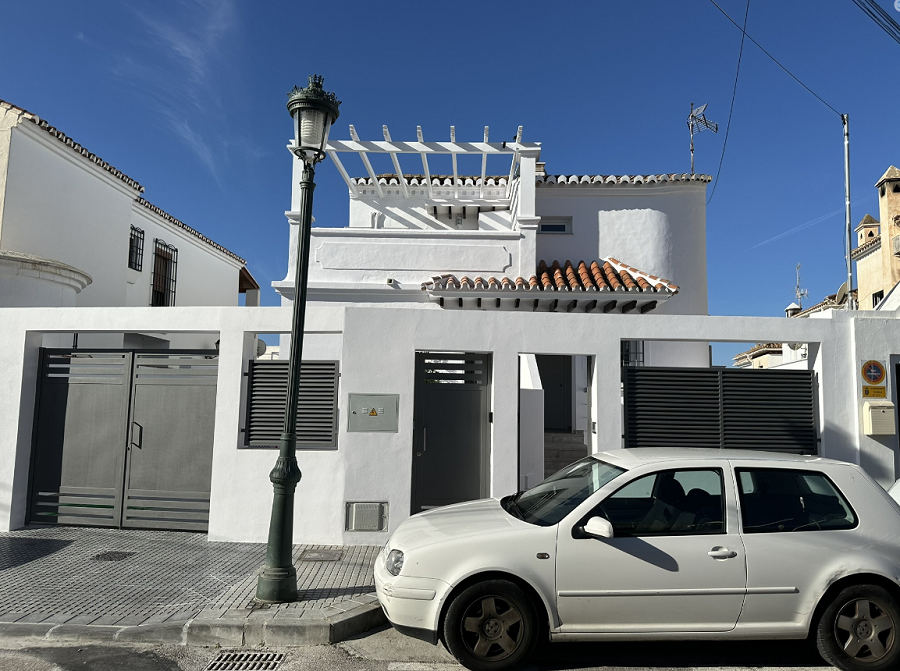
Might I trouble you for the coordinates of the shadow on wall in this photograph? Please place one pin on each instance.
(880, 462)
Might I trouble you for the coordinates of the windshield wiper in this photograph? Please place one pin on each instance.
(509, 505)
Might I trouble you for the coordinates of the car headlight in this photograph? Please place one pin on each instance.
(394, 562)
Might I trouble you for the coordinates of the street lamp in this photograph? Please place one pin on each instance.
(313, 110)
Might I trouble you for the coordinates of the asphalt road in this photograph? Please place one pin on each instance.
(385, 650)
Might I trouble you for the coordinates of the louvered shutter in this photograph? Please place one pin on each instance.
(317, 408)
(720, 408)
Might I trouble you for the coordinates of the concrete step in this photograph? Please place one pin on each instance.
(564, 437)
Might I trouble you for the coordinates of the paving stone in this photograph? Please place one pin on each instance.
(61, 579)
(34, 618)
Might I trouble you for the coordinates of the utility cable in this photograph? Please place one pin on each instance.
(731, 109)
(884, 20)
(775, 60)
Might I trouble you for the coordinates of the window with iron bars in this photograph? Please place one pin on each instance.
(165, 265)
(136, 249)
(632, 353)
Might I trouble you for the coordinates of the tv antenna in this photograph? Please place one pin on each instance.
(697, 121)
(798, 292)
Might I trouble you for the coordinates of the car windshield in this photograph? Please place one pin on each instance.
(562, 492)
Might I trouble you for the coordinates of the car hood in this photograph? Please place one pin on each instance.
(472, 518)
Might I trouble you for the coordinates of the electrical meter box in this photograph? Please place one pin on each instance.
(374, 412)
(879, 418)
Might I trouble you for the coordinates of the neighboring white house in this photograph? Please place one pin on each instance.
(75, 231)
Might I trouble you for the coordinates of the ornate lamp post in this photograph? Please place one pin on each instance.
(313, 110)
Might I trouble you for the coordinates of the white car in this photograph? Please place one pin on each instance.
(657, 544)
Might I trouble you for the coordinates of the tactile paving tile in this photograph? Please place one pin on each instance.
(163, 573)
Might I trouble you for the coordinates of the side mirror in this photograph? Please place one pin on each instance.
(599, 527)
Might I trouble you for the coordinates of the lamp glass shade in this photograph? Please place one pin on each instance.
(312, 125)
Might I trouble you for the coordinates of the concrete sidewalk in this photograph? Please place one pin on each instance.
(84, 584)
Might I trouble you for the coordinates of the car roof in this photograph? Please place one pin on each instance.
(639, 456)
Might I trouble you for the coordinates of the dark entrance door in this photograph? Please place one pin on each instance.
(124, 439)
(556, 379)
(450, 432)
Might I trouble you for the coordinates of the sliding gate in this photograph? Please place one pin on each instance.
(124, 439)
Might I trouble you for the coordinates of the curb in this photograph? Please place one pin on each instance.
(280, 631)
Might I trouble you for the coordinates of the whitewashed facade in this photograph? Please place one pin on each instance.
(66, 218)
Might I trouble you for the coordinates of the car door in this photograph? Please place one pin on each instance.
(794, 521)
(674, 563)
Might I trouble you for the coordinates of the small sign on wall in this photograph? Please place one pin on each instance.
(874, 392)
(374, 412)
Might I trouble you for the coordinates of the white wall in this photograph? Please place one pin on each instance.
(377, 348)
(61, 206)
(531, 423)
(204, 275)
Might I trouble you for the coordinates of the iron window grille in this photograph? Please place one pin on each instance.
(136, 249)
(165, 266)
(877, 297)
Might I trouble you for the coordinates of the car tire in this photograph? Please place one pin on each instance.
(491, 626)
(860, 630)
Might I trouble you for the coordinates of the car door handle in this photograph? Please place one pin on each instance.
(722, 553)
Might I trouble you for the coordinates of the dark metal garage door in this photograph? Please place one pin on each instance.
(124, 439)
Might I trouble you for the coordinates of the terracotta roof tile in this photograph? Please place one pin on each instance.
(867, 246)
(601, 275)
(180, 224)
(594, 180)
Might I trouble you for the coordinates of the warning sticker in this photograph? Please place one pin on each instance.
(874, 392)
(373, 413)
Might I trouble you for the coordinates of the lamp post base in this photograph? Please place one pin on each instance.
(277, 585)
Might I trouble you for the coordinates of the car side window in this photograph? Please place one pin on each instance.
(781, 500)
(668, 503)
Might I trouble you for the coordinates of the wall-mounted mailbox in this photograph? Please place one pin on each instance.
(374, 412)
(879, 418)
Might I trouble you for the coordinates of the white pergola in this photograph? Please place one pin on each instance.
(424, 149)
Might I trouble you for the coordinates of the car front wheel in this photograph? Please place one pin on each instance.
(490, 626)
(858, 630)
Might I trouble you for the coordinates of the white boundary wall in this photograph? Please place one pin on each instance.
(376, 347)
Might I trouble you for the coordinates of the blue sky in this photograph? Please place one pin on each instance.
(189, 99)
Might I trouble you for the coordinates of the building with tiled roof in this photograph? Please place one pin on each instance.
(877, 252)
(65, 210)
(518, 242)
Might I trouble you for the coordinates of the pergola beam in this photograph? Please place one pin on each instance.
(424, 156)
(365, 160)
(483, 164)
(453, 158)
(343, 171)
(387, 138)
(498, 148)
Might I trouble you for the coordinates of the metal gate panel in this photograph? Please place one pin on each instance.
(450, 443)
(79, 432)
(169, 466)
(772, 410)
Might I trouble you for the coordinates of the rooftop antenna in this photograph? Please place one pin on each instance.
(697, 121)
(798, 292)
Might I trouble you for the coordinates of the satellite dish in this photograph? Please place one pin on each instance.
(841, 294)
(699, 110)
(260, 347)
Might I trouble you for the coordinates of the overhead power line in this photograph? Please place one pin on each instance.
(731, 109)
(884, 20)
(775, 60)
